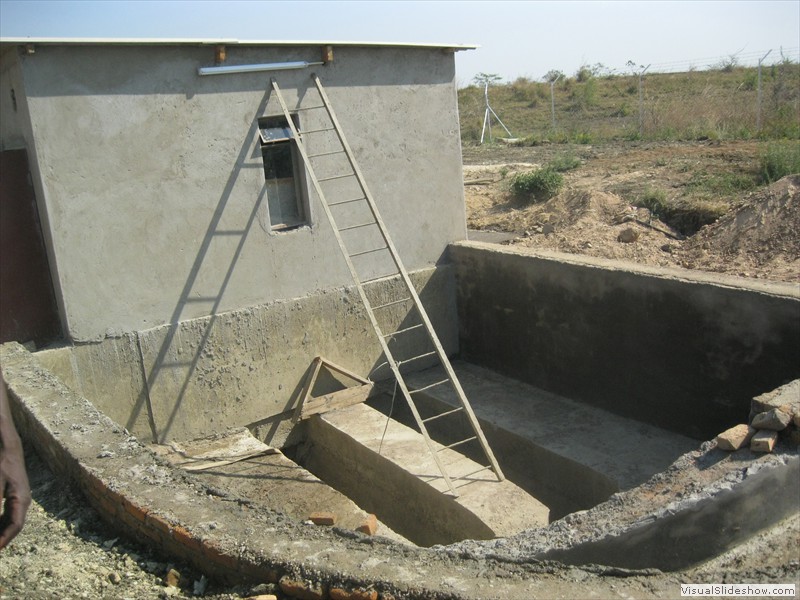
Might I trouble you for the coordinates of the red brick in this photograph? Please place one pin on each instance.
(734, 438)
(369, 526)
(219, 557)
(136, 511)
(359, 594)
(322, 518)
(763, 441)
(302, 590)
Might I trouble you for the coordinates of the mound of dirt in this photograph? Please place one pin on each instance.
(759, 239)
(761, 236)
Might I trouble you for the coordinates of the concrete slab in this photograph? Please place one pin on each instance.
(268, 479)
(387, 469)
(577, 455)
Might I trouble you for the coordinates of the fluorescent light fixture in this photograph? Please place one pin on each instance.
(284, 66)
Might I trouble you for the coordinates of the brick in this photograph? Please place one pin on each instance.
(322, 518)
(369, 526)
(302, 590)
(773, 420)
(219, 557)
(186, 539)
(136, 511)
(763, 441)
(734, 438)
(337, 593)
(153, 521)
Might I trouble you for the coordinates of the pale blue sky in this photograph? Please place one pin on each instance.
(520, 38)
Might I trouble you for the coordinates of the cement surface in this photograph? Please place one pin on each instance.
(400, 454)
(625, 451)
(274, 482)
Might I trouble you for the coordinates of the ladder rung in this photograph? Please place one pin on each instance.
(368, 251)
(202, 299)
(408, 360)
(331, 153)
(317, 130)
(230, 232)
(433, 385)
(388, 304)
(299, 108)
(440, 415)
(360, 199)
(358, 226)
(407, 329)
(379, 278)
(321, 179)
(454, 444)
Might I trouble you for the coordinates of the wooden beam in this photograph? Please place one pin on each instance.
(332, 401)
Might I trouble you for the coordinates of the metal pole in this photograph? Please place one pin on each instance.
(758, 105)
(553, 101)
(641, 102)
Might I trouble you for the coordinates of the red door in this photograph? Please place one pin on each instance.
(27, 302)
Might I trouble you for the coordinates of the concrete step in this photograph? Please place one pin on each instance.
(567, 453)
(385, 467)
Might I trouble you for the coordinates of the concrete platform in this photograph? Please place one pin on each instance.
(268, 479)
(568, 454)
(386, 468)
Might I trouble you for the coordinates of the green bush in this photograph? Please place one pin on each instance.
(654, 200)
(565, 161)
(538, 185)
(780, 159)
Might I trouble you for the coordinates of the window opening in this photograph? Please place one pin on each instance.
(286, 197)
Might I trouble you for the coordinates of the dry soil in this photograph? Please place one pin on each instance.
(759, 236)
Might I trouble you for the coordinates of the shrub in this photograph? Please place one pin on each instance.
(537, 185)
(654, 200)
(564, 162)
(780, 159)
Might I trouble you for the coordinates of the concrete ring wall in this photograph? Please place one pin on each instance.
(684, 351)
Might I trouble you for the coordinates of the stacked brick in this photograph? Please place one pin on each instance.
(773, 415)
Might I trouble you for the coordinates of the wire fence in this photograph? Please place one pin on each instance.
(738, 96)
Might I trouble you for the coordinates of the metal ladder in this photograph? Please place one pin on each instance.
(409, 294)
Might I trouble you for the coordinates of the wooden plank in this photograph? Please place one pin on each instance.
(340, 399)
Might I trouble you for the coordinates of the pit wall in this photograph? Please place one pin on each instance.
(242, 368)
(683, 351)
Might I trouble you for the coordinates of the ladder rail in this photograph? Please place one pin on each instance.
(362, 294)
(404, 274)
(400, 270)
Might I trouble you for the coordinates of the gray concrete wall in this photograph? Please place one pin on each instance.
(242, 368)
(681, 350)
(153, 184)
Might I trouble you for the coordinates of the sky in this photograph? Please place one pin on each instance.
(524, 38)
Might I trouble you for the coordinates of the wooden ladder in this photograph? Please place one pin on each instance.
(407, 293)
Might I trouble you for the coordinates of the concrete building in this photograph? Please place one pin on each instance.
(149, 178)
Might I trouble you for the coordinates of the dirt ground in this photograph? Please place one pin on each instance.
(759, 236)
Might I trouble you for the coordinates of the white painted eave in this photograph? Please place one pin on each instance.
(223, 41)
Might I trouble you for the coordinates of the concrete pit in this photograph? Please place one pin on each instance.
(588, 481)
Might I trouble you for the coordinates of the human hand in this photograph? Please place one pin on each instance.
(15, 492)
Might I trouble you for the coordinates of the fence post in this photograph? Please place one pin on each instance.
(758, 107)
(641, 102)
